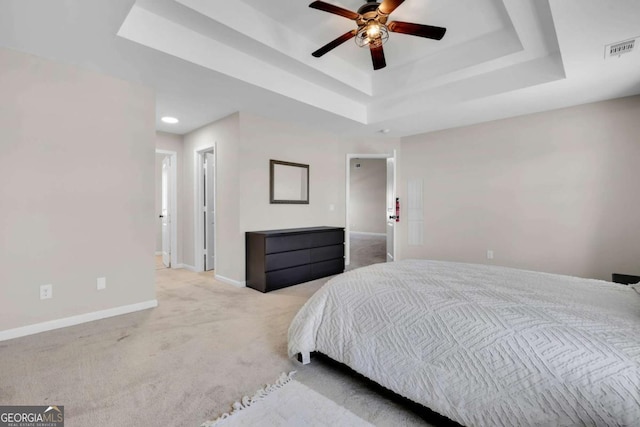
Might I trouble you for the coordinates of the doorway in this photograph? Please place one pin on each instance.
(205, 210)
(370, 209)
(166, 209)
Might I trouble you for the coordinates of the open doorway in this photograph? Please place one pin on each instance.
(370, 209)
(206, 210)
(166, 209)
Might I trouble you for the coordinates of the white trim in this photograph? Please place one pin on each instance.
(187, 267)
(173, 190)
(347, 229)
(37, 328)
(395, 193)
(228, 281)
(158, 253)
(198, 200)
(365, 233)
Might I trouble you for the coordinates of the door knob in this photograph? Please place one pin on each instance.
(161, 216)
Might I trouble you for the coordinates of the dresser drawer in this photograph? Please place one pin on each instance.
(327, 252)
(327, 268)
(286, 243)
(625, 279)
(326, 238)
(279, 258)
(287, 259)
(289, 276)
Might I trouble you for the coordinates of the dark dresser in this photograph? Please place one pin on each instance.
(625, 279)
(281, 258)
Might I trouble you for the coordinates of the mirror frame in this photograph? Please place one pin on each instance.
(272, 200)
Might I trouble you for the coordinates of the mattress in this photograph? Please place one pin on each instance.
(484, 345)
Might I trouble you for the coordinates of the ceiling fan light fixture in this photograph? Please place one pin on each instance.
(373, 33)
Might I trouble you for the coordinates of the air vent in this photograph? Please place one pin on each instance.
(617, 49)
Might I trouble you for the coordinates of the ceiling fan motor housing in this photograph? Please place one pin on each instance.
(371, 6)
(369, 12)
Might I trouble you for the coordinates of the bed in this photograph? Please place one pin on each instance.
(484, 345)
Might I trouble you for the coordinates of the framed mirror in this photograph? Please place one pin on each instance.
(289, 183)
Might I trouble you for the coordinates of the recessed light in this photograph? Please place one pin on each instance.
(170, 120)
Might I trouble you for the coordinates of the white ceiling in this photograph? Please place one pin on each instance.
(209, 58)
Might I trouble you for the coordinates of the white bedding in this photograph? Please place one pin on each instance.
(484, 345)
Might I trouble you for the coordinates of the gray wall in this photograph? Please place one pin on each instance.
(555, 191)
(225, 133)
(76, 174)
(368, 196)
(245, 144)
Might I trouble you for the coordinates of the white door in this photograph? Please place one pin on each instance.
(210, 207)
(165, 215)
(391, 207)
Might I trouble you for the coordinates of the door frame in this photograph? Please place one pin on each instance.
(347, 229)
(198, 219)
(173, 199)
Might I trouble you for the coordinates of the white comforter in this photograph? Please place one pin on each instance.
(484, 345)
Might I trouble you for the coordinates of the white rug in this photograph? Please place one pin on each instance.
(287, 403)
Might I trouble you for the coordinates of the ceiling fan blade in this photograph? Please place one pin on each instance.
(377, 55)
(419, 30)
(389, 6)
(326, 7)
(334, 44)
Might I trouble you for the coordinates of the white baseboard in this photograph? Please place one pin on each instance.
(23, 331)
(158, 253)
(364, 233)
(187, 267)
(232, 282)
(219, 278)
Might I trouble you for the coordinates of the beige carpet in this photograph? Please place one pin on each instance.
(159, 264)
(179, 364)
(366, 249)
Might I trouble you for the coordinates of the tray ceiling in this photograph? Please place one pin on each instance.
(209, 58)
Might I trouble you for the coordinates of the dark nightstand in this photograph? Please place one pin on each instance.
(625, 279)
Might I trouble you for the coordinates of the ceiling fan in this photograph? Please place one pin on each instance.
(373, 29)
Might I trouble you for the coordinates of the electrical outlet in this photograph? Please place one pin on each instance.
(489, 254)
(46, 291)
(101, 283)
